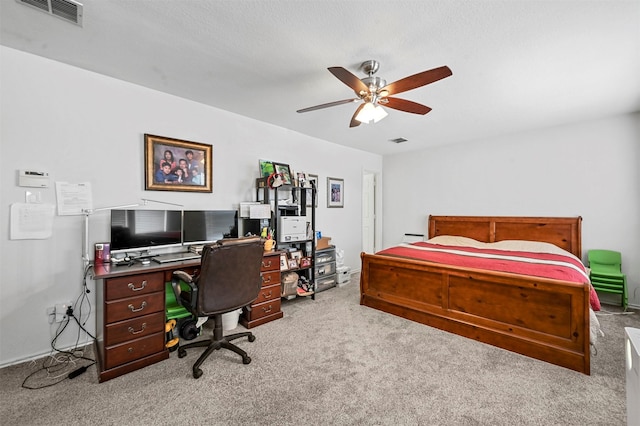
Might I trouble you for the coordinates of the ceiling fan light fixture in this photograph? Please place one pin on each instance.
(371, 112)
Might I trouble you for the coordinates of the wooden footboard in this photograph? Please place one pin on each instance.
(541, 318)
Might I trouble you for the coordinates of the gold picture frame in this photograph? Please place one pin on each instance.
(177, 165)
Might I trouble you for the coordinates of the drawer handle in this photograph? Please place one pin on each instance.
(267, 295)
(267, 310)
(130, 350)
(132, 331)
(267, 280)
(266, 265)
(134, 288)
(144, 304)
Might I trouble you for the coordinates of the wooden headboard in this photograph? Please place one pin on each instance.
(564, 232)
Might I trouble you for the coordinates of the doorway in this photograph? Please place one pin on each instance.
(368, 212)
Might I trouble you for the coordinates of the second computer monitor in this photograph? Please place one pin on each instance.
(207, 226)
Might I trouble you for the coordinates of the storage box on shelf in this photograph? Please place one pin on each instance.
(325, 269)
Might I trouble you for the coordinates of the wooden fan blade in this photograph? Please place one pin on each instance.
(406, 106)
(354, 122)
(349, 79)
(328, 104)
(417, 80)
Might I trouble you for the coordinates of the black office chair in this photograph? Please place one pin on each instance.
(229, 279)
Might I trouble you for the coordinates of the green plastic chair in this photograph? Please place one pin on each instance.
(606, 273)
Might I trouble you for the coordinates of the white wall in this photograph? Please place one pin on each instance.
(84, 127)
(590, 169)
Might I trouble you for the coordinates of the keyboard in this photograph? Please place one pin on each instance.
(175, 257)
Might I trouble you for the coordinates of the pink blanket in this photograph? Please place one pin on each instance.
(546, 265)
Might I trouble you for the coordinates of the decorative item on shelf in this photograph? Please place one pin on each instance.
(275, 180)
(305, 262)
(293, 263)
(296, 254)
(302, 180)
(284, 264)
(267, 235)
(266, 168)
(269, 245)
(284, 171)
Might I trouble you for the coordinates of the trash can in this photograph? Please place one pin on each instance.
(230, 319)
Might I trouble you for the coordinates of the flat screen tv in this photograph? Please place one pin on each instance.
(208, 226)
(143, 230)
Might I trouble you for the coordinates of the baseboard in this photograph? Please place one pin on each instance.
(42, 355)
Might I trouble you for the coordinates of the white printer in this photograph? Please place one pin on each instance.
(292, 228)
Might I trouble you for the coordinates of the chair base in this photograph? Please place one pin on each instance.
(216, 342)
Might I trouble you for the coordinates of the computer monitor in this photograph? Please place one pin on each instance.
(143, 230)
(208, 226)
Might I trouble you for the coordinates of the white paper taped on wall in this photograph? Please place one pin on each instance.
(73, 198)
(31, 221)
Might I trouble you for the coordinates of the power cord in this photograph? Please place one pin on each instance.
(57, 364)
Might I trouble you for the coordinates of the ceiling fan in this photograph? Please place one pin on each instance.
(375, 92)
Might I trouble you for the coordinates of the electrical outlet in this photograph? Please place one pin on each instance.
(60, 311)
(51, 313)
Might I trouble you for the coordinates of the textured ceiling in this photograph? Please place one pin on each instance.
(517, 65)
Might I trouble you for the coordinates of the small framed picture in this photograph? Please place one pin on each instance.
(284, 264)
(293, 263)
(305, 262)
(285, 171)
(266, 168)
(297, 255)
(335, 192)
(302, 178)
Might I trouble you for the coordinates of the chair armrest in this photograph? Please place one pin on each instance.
(185, 299)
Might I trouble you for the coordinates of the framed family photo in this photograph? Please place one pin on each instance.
(177, 165)
(335, 192)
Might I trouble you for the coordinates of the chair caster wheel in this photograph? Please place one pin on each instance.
(181, 353)
(252, 337)
(197, 373)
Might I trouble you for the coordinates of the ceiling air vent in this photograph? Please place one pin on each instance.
(398, 140)
(66, 9)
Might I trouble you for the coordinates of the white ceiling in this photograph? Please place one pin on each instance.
(517, 65)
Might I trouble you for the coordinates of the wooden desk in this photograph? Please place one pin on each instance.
(130, 315)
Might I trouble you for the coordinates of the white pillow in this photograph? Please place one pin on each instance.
(531, 246)
(455, 240)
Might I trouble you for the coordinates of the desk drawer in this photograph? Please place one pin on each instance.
(270, 263)
(270, 278)
(135, 328)
(268, 293)
(263, 309)
(133, 307)
(133, 285)
(135, 349)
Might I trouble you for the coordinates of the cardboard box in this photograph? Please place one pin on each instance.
(344, 274)
(323, 243)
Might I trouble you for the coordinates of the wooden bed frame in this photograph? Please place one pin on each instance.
(541, 318)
